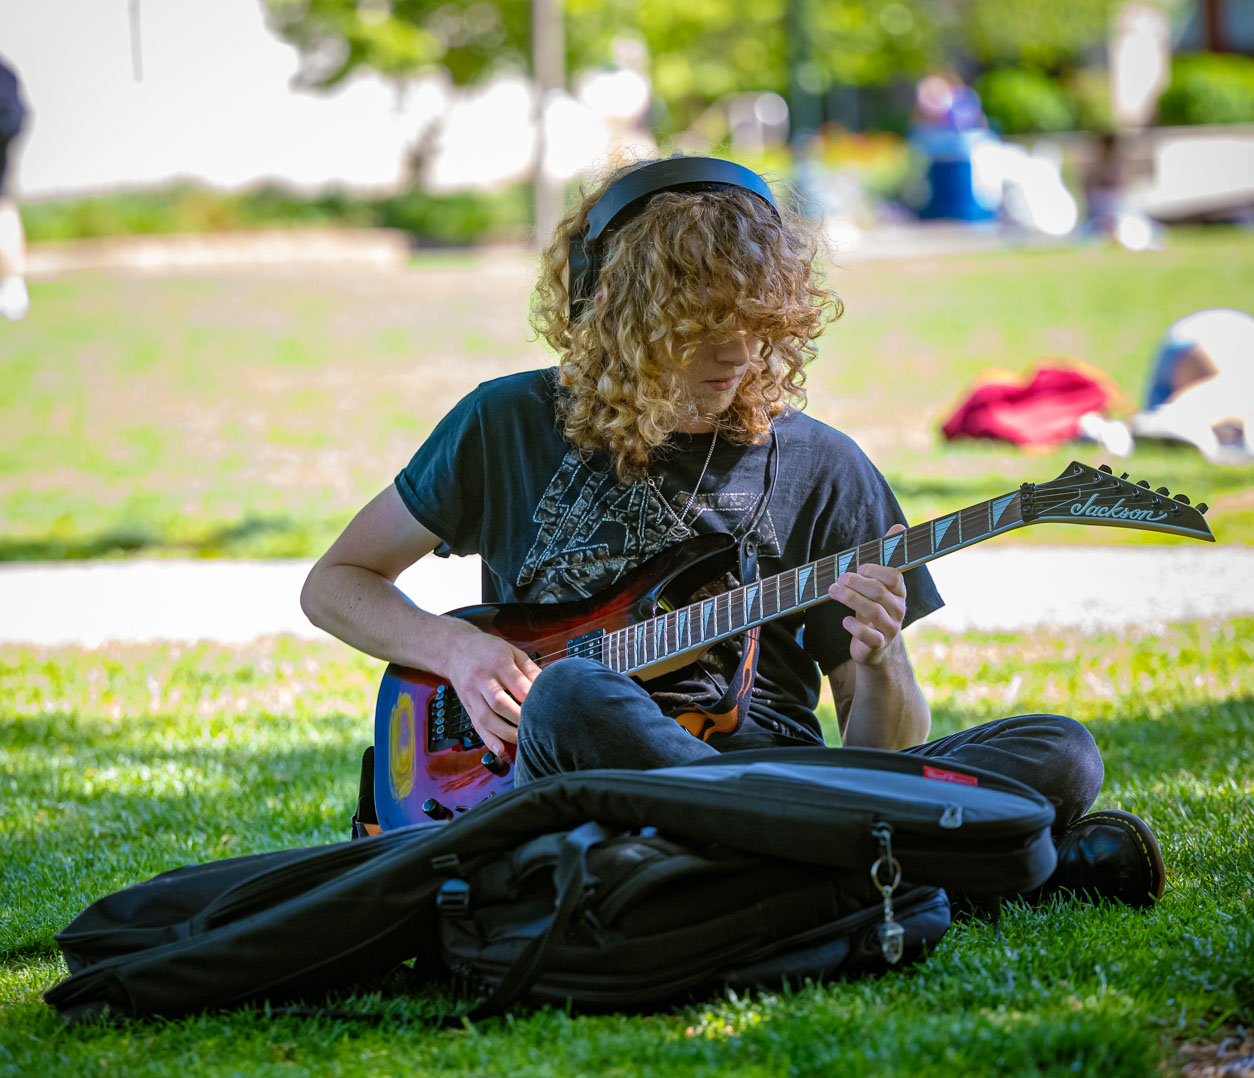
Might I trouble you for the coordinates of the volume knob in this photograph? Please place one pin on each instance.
(494, 763)
(431, 807)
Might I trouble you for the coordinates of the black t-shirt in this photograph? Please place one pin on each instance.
(497, 478)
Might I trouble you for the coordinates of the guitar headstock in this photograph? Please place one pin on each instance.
(1084, 495)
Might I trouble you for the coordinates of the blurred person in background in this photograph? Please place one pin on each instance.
(1111, 212)
(14, 298)
(1202, 386)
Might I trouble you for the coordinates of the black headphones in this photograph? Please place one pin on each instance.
(625, 197)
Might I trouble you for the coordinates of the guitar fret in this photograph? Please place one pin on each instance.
(824, 575)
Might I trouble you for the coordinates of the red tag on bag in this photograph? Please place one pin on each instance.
(937, 775)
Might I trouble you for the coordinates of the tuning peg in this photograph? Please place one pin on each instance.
(1124, 476)
(1183, 499)
(1105, 468)
(1202, 507)
(1163, 491)
(1144, 483)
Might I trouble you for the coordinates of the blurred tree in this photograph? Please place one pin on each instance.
(700, 50)
(1045, 35)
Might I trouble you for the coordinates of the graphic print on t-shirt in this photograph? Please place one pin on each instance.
(593, 530)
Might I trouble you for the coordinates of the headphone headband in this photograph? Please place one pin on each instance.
(626, 196)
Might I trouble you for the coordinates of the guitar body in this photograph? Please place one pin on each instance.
(429, 761)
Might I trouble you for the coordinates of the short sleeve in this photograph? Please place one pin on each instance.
(862, 507)
(450, 463)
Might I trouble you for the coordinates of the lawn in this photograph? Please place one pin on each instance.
(121, 763)
(250, 413)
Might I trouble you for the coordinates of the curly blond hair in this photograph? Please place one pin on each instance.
(690, 267)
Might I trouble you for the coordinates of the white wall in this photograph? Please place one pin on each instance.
(214, 104)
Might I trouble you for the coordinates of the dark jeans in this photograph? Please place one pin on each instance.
(580, 714)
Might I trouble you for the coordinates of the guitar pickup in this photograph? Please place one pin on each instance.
(584, 646)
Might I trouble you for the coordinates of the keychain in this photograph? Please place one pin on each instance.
(891, 934)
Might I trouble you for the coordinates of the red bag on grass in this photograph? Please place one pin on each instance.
(1043, 411)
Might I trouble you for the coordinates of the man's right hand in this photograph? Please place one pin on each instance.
(351, 593)
(491, 678)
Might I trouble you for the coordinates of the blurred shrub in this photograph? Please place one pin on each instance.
(438, 220)
(1023, 102)
(879, 160)
(775, 163)
(462, 218)
(1209, 88)
(1088, 90)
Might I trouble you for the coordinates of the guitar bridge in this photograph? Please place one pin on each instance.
(448, 725)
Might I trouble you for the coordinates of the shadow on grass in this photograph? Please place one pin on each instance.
(204, 803)
(43, 948)
(140, 538)
(1195, 737)
(202, 789)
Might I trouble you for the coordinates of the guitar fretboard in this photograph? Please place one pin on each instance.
(696, 626)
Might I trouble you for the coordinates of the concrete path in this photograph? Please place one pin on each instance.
(1008, 588)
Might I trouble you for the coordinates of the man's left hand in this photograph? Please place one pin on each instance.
(877, 596)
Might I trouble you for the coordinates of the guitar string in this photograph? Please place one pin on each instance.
(1052, 499)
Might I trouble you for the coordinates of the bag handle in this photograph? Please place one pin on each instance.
(573, 884)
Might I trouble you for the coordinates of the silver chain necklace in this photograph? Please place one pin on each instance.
(679, 529)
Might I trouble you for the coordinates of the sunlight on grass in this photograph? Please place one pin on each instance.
(250, 414)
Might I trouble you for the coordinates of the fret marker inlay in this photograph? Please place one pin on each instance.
(999, 507)
(803, 575)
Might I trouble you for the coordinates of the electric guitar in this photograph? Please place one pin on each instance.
(429, 761)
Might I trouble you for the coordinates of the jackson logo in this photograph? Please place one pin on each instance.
(1118, 511)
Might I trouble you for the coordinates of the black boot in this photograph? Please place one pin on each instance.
(1108, 855)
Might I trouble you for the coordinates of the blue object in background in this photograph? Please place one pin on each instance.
(950, 177)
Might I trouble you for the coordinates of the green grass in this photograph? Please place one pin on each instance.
(250, 413)
(121, 763)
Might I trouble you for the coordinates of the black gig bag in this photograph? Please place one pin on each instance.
(623, 921)
(591, 865)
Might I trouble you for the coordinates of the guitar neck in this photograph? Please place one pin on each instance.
(695, 627)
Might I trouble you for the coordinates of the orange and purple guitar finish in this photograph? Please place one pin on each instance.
(431, 764)
(429, 761)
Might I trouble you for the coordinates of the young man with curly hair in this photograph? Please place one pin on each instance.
(682, 304)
